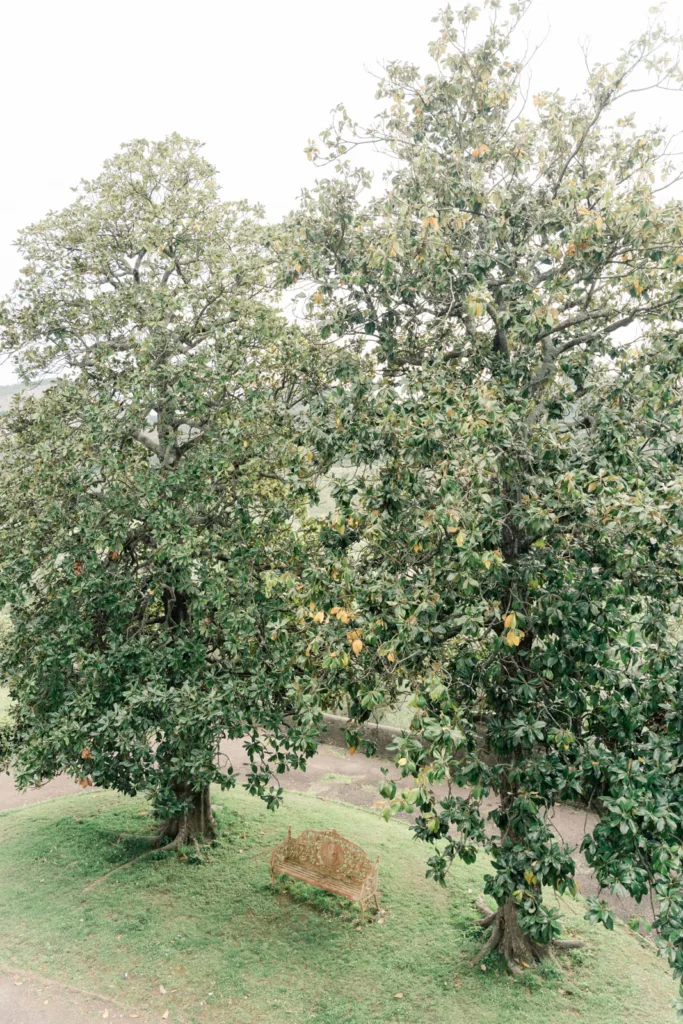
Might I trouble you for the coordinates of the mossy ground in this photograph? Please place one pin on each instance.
(227, 948)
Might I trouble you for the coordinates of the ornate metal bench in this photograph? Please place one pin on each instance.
(328, 861)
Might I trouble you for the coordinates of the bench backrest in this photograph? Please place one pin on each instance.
(330, 853)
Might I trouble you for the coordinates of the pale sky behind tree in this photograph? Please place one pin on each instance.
(253, 79)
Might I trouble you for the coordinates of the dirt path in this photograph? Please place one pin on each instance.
(26, 1000)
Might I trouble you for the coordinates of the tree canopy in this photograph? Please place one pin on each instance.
(492, 348)
(153, 500)
(508, 550)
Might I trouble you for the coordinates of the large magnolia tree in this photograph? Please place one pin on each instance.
(152, 501)
(509, 549)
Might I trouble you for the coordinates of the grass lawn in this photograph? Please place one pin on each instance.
(229, 950)
(4, 704)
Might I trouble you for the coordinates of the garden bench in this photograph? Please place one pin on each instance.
(329, 861)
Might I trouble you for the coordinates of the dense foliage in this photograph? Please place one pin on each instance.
(152, 501)
(509, 547)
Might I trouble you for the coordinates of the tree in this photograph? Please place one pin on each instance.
(153, 500)
(509, 548)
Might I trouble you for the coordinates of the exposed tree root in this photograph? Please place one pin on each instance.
(129, 863)
(179, 831)
(517, 949)
(489, 915)
(156, 838)
(490, 944)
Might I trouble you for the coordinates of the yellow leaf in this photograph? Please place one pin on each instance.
(460, 539)
(487, 563)
(451, 529)
(317, 298)
(352, 751)
(529, 877)
(334, 611)
(510, 621)
(319, 617)
(357, 646)
(584, 211)
(391, 656)
(513, 638)
(402, 760)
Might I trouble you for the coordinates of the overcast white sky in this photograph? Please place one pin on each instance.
(253, 79)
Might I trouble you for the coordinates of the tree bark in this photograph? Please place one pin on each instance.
(517, 948)
(197, 822)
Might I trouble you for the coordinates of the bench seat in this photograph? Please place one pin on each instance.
(319, 880)
(328, 861)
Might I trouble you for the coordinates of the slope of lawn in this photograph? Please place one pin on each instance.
(4, 704)
(213, 942)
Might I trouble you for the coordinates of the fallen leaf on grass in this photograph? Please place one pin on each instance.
(162, 990)
(399, 995)
(164, 1016)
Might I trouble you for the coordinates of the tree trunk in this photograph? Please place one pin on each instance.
(197, 822)
(506, 935)
(518, 949)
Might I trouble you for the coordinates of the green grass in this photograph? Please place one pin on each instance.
(216, 932)
(4, 705)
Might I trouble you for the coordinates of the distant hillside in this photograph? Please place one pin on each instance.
(8, 391)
